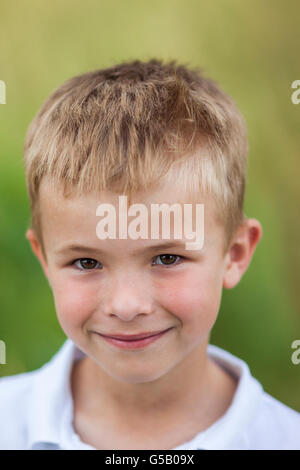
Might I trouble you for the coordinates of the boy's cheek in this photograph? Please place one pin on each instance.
(74, 304)
(194, 301)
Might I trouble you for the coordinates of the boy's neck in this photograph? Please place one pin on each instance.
(190, 398)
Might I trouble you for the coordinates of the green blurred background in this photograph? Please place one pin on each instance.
(251, 48)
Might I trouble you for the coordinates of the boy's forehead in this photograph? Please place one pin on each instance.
(75, 218)
(168, 193)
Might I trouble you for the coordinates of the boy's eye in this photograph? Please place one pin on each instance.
(168, 259)
(90, 264)
(86, 263)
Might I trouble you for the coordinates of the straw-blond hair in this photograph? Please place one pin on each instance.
(123, 128)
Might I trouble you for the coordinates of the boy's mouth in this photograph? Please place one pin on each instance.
(134, 337)
(132, 342)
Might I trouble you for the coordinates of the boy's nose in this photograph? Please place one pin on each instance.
(127, 298)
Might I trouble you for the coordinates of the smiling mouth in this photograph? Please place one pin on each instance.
(123, 343)
(135, 337)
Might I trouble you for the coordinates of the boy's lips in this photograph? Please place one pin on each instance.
(136, 341)
(137, 336)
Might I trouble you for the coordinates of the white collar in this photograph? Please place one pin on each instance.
(51, 405)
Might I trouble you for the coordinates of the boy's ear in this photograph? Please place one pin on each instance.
(37, 249)
(241, 251)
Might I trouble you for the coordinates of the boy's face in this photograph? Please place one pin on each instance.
(123, 287)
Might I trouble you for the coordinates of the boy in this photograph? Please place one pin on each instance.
(136, 371)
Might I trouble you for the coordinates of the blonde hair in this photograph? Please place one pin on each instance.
(126, 127)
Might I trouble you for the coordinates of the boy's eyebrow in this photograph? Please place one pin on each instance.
(87, 249)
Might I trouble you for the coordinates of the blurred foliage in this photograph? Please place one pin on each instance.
(251, 49)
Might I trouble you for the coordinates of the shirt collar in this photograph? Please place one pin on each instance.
(51, 405)
(51, 395)
(230, 429)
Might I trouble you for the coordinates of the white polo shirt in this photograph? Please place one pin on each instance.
(36, 410)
